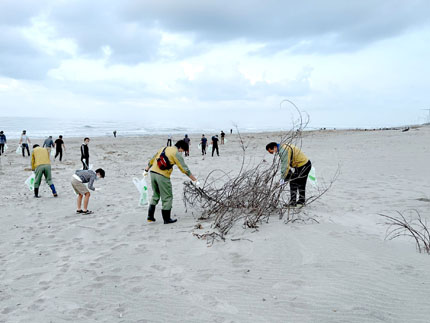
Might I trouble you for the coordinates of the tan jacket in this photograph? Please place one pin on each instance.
(175, 158)
(298, 160)
(39, 156)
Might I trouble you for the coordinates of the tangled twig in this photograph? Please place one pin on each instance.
(253, 195)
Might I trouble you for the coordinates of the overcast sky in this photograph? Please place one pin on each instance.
(345, 63)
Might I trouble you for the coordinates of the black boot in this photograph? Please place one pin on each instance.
(151, 211)
(36, 192)
(166, 217)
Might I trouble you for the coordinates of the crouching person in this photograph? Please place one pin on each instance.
(41, 165)
(79, 179)
(161, 166)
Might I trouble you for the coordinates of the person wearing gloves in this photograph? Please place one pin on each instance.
(80, 178)
(292, 158)
(161, 166)
(41, 165)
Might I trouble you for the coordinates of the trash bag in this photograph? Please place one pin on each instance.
(18, 150)
(142, 187)
(52, 153)
(30, 181)
(312, 177)
(5, 147)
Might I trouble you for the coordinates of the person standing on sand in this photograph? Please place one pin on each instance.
(292, 157)
(78, 180)
(203, 142)
(85, 154)
(24, 141)
(169, 140)
(188, 142)
(59, 145)
(215, 145)
(48, 144)
(231, 131)
(161, 166)
(114, 133)
(41, 165)
(222, 137)
(3, 142)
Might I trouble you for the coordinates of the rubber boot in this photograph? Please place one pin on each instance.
(54, 192)
(36, 192)
(166, 217)
(151, 211)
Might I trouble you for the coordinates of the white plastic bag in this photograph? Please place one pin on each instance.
(5, 147)
(30, 181)
(18, 150)
(142, 187)
(312, 177)
(52, 153)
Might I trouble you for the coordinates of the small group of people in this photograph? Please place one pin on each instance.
(214, 143)
(41, 165)
(59, 145)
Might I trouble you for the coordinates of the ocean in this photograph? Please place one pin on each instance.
(43, 127)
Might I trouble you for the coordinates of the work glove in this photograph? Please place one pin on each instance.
(281, 181)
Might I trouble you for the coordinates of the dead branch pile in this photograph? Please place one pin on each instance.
(250, 197)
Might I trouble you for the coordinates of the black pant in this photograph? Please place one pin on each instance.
(203, 149)
(59, 152)
(1, 149)
(213, 149)
(169, 142)
(25, 146)
(85, 162)
(298, 181)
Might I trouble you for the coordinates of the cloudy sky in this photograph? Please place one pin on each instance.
(345, 63)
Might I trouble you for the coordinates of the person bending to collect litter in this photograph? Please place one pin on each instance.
(292, 158)
(80, 178)
(161, 166)
(41, 165)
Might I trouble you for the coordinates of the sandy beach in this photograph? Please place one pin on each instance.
(113, 266)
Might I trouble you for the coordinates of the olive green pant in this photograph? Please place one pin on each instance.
(161, 188)
(42, 170)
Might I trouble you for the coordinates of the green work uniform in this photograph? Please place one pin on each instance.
(161, 187)
(44, 169)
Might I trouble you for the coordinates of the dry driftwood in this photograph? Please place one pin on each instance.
(253, 194)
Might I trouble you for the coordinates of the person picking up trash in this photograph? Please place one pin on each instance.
(79, 179)
(292, 157)
(41, 165)
(161, 167)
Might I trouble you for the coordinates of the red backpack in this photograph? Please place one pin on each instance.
(163, 162)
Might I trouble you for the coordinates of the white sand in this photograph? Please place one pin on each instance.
(112, 266)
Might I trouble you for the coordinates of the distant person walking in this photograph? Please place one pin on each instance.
(78, 180)
(222, 137)
(203, 142)
(41, 165)
(85, 154)
(3, 142)
(59, 146)
(161, 166)
(215, 145)
(188, 142)
(48, 144)
(292, 157)
(114, 133)
(231, 131)
(169, 140)
(24, 141)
